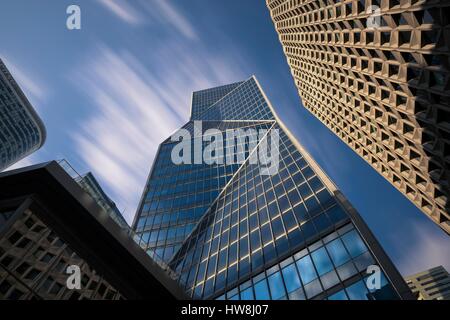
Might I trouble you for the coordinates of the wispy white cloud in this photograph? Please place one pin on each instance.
(123, 10)
(165, 12)
(136, 107)
(155, 12)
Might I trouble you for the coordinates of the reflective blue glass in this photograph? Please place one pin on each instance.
(322, 261)
(357, 291)
(337, 252)
(340, 295)
(257, 219)
(247, 294)
(306, 268)
(262, 291)
(291, 278)
(276, 286)
(354, 243)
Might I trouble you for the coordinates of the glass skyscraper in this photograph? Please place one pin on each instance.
(231, 232)
(21, 130)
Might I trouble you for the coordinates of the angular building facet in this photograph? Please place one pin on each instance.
(90, 184)
(234, 231)
(21, 130)
(376, 73)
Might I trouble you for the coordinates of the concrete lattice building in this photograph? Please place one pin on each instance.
(379, 79)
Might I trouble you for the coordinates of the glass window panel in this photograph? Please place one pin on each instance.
(357, 291)
(363, 261)
(269, 252)
(291, 278)
(340, 295)
(247, 294)
(282, 244)
(313, 206)
(262, 291)
(255, 241)
(336, 214)
(306, 268)
(329, 279)
(313, 288)
(283, 203)
(301, 213)
(322, 261)
(305, 190)
(297, 295)
(295, 237)
(253, 221)
(232, 274)
(337, 252)
(277, 227)
(244, 267)
(309, 230)
(276, 286)
(289, 220)
(243, 247)
(347, 270)
(266, 234)
(354, 243)
(322, 222)
(233, 253)
(243, 228)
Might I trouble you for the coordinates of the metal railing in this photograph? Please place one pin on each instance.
(153, 255)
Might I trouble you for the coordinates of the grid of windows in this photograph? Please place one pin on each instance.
(203, 99)
(255, 221)
(177, 196)
(33, 264)
(332, 268)
(432, 284)
(21, 132)
(383, 90)
(246, 103)
(241, 224)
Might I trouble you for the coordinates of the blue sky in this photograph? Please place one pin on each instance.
(112, 91)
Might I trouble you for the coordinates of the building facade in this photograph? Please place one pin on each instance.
(232, 231)
(432, 284)
(21, 130)
(91, 186)
(376, 73)
(49, 226)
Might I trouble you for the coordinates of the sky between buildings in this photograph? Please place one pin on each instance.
(112, 91)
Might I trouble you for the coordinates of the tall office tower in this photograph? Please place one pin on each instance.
(21, 130)
(432, 284)
(238, 231)
(90, 184)
(376, 73)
